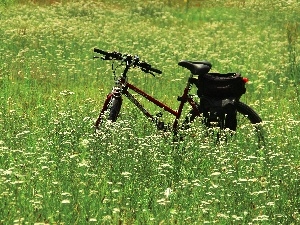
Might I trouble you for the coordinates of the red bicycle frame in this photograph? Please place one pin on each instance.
(183, 99)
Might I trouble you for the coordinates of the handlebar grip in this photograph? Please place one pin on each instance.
(100, 51)
(148, 67)
(109, 55)
(155, 70)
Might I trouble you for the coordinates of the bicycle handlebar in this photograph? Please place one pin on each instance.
(109, 55)
(145, 67)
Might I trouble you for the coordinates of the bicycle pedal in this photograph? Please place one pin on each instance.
(160, 125)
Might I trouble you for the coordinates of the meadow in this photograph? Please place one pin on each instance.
(54, 168)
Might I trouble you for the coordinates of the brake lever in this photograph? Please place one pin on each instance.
(102, 57)
(152, 74)
(147, 71)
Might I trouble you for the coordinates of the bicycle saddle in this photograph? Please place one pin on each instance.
(196, 67)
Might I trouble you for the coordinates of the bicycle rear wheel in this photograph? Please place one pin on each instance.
(110, 110)
(247, 114)
(246, 122)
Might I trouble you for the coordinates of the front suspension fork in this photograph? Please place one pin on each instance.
(115, 93)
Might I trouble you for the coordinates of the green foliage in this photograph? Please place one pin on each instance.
(6, 2)
(54, 168)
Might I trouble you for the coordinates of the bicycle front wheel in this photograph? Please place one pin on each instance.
(110, 110)
(114, 109)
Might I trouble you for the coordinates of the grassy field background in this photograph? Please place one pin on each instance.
(54, 169)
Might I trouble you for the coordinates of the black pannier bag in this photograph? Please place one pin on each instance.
(219, 85)
(220, 112)
(218, 94)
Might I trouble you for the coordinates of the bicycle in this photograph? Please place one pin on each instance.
(224, 110)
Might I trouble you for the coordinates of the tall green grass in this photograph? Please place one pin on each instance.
(55, 169)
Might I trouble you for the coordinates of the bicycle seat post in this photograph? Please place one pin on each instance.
(187, 88)
(191, 81)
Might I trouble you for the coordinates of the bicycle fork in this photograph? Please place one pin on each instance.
(115, 93)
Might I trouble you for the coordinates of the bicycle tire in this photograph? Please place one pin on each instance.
(245, 116)
(115, 107)
(111, 108)
(249, 112)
